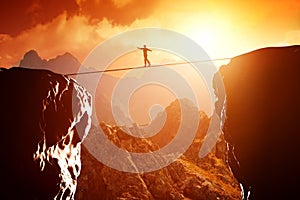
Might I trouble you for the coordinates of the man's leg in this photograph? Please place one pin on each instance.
(148, 62)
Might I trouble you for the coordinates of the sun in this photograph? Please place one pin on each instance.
(206, 37)
(211, 32)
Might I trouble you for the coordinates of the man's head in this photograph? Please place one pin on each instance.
(144, 46)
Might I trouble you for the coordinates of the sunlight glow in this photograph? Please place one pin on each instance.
(212, 33)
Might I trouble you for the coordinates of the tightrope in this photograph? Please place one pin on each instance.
(143, 67)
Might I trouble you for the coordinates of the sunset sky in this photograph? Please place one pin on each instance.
(224, 28)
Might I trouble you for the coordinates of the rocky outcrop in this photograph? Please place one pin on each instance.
(44, 118)
(262, 121)
(189, 177)
(68, 64)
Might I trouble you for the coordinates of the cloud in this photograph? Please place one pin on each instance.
(24, 15)
(17, 16)
(121, 3)
(62, 34)
(117, 11)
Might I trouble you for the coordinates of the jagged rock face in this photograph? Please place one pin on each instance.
(189, 177)
(262, 123)
(41, 144)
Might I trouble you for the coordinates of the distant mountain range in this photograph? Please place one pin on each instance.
(62, 64)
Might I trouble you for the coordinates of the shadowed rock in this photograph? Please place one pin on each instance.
(39, 139)
(262, 122)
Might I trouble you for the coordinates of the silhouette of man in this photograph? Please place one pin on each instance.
(145, 51)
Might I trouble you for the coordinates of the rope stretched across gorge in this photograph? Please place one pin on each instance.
(142, 67)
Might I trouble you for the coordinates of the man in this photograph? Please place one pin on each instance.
(145, 50)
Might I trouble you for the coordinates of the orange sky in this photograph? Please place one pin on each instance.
(224, 28)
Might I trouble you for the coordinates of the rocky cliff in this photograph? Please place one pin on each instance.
(262, 121)
(187, 178)
(44, 118)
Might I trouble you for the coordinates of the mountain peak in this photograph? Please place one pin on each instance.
(62, 64)
(66, 56)
(31, 59)
(31, 52)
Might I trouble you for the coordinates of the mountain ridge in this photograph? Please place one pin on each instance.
(62, 64)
